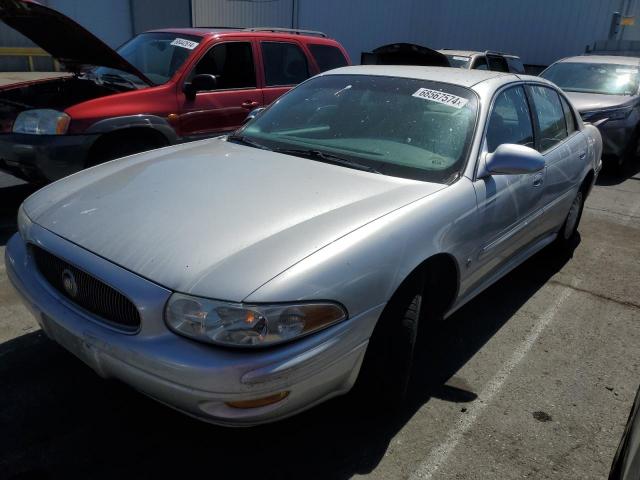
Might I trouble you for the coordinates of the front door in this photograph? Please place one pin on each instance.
(509, 206)
(237, 93)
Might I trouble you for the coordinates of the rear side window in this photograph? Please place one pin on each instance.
(551, 119)
(480, 64)
(510, 120)
(327, 57)
(498, 64)
(569, 117)
(284, 64)
(231, 63)
(515, 65)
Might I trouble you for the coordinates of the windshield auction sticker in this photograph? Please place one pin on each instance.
(441, 97)
(181, 42)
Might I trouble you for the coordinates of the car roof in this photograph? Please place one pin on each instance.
(457, 76)
(461, 53)
(612, 59)
(203, 32)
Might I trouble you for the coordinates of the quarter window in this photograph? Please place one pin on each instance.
(284, 64)
(510, 120)
(328, 57)
(231, 63)
(480, 64)
(551, 119)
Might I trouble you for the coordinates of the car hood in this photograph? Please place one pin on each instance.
(61, 37)
(587, 102)
(214, 218)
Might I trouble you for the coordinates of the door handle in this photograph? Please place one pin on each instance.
(538, 179)
(250, 104)
(582, 155)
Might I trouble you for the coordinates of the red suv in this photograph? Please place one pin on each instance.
(160, 88)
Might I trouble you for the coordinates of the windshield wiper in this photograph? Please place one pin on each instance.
(327, 158)
(117, 78)
(246, 141)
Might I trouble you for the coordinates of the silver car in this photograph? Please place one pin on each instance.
(606, 91)
(246, 278)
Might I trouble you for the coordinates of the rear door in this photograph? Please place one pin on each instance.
(509, 206)
(564, 148)
(225, 108)
(284, 65)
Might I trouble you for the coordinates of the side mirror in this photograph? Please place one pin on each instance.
(253, 114)
(200, 83)
(511, 159)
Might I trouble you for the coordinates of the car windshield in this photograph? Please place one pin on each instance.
(602, 78)
(401, 127)
(157, 55)
(458, 61)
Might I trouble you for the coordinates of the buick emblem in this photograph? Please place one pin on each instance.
(69, 283)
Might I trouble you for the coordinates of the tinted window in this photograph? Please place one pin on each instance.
(498, 64)
(553, 128)
(401, 127)
(284, 64)
(515, 65)
(510, 120)
(458, 61)
(231, 62)
(569, 117)
(480, 64)
(328, 57)
(594, 78)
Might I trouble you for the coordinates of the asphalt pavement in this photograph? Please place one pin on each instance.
(532, 379)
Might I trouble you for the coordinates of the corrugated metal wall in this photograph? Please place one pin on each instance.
(243, 13)
(540, 31)
(153, 14)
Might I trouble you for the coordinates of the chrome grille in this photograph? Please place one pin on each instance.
(86, 291)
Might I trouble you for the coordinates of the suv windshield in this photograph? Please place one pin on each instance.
(158, 55)
(402, 127)
(594, 78)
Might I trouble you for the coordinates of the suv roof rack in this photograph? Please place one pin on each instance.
(295, 31)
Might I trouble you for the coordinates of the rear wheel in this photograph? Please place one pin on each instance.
(569, 230)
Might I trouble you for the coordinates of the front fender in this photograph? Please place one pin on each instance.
(153, 122)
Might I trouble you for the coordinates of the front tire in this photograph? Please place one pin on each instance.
(386, 370)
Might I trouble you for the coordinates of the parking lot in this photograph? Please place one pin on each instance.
(533, 379)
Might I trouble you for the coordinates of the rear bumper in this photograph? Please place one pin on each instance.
(43, 158)
(189, 376)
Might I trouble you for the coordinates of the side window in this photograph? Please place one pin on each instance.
(480, 64)
(284, 64)
(569, 117)
(510, 120)
(231, 62)
(327, 57)
(551, 119)
(515, 65)
(498, 64)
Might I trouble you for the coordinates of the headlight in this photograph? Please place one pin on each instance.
(42, 122)
(242, 325)
(24, 223)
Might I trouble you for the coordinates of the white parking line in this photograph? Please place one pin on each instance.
(439, 455)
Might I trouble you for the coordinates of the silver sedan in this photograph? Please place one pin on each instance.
(246, 278)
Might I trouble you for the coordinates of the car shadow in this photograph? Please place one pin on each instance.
(58, 419)
(10, 199)
(612, 175)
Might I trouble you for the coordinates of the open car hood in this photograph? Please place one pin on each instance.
(404, 54)
(61, 37)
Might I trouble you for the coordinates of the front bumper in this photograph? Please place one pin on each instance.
(616, 136)
(43, 158)
(192, 377)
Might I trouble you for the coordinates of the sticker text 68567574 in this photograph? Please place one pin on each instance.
(441, 97)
